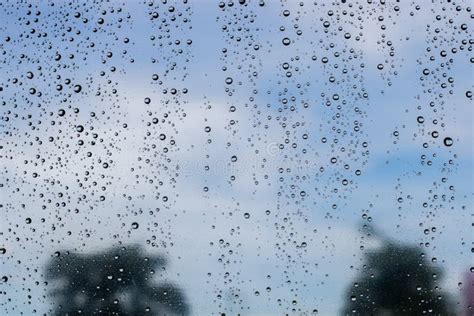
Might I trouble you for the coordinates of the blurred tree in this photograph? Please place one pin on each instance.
(118, 281)
(396, 279)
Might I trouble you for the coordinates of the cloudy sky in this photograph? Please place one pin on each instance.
(253, 164)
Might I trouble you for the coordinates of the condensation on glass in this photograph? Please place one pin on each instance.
(242, 157)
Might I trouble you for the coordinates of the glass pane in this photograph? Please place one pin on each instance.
(237, 157)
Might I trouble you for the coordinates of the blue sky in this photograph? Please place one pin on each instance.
(286, 181)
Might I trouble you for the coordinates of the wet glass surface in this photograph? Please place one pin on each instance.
(246, 157)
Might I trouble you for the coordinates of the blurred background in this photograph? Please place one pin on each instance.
(246, 157)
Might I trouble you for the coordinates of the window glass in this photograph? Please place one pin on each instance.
(237, 157)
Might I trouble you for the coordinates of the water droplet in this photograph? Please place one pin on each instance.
(448, 141)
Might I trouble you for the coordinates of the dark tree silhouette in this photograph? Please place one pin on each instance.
(118, 281)
(396, 279)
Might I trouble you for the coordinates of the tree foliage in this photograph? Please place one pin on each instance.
(118, 281)
(397, 279)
